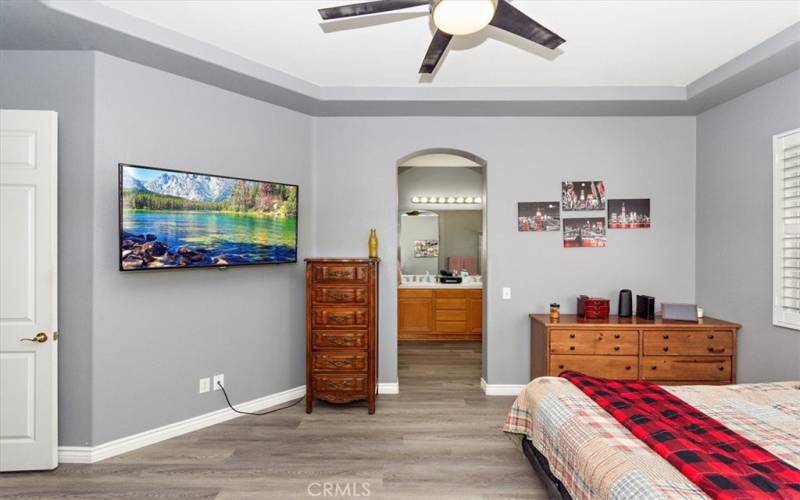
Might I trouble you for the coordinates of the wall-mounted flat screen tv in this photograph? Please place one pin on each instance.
(175, 219)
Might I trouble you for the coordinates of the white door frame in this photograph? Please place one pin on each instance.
(29, 306)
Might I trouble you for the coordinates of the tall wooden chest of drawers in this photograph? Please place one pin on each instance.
(663, 352)
(341, 331)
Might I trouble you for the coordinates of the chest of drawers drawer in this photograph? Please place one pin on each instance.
(616, 367)
(607, 342)
(324, 339)
(686, 368)
(340, 383)
(688, 343)
(339, 317)
(339, 273)
(327, 295)
(341, 361)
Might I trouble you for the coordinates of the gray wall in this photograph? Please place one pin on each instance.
(134, 345)
(64, 82)
(157, 333)
(443, 181)
(734, 229)
(527, 160)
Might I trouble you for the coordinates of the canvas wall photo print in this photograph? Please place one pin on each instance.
(631, 213)
(585, 232)
(583, 195)
(538, 216)
(176, 219)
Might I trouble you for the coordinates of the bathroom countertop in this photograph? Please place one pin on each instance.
(418, 284)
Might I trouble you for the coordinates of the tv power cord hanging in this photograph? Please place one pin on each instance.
(225, 393)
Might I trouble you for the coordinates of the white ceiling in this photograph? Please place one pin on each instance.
(609, 43)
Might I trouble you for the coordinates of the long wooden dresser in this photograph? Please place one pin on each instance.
(341, 331)
(660, 351)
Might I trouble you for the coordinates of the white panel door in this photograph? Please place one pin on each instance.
(28, 258)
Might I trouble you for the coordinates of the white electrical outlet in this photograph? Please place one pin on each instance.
(219, 380)
(205, 385)
(506, 293)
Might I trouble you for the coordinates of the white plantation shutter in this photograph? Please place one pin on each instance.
(786, 230)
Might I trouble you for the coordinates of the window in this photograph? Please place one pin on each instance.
(786, 230)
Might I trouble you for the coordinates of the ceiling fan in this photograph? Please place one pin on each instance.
(456, 17)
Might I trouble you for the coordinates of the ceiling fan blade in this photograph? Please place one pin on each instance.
(435, 51)
(509, 18)
(360, 9)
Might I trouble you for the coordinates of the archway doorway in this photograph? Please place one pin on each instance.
(442, 270)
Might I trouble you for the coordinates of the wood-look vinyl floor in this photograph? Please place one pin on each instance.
(440, 438)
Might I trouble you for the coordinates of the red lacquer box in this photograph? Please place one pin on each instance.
(593, 307)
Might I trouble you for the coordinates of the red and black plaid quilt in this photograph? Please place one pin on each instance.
(724, 464)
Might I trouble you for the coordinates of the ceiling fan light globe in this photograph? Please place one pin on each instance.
(462, 17)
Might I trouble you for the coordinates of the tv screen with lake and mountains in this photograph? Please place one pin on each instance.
(175, 219)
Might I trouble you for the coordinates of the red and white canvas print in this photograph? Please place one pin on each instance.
(629, 213)
(585, 232)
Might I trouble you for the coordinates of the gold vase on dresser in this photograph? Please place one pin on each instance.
(341, 330)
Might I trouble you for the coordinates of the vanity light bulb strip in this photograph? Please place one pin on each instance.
(445, 200)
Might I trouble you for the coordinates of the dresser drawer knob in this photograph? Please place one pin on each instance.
(572, 348)
(666, 349)
(616, 336)
(560, 367)
(616, 348)
(710, 337)
(716, 351)
(653, 367)
(666, 337)
(721, 368)
(628, 367)
(338, 340)
(572, 335)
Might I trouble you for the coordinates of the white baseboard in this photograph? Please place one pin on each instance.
(501, 389)
(92, 454)
(388, 388)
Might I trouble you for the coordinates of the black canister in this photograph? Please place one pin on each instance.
(625, 309)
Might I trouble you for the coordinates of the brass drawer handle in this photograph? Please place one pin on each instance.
(338, 363)
(338, 340)
(340, 274)
(332, 384)
(338, 296)
(335, 318)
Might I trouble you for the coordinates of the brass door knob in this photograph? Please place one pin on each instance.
(40, 337)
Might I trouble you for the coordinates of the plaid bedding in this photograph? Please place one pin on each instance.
(596, 457)
(723, 463)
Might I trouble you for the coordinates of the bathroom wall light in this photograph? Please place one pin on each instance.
(455, 200)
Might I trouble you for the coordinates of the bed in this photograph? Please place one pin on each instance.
(582, 452)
